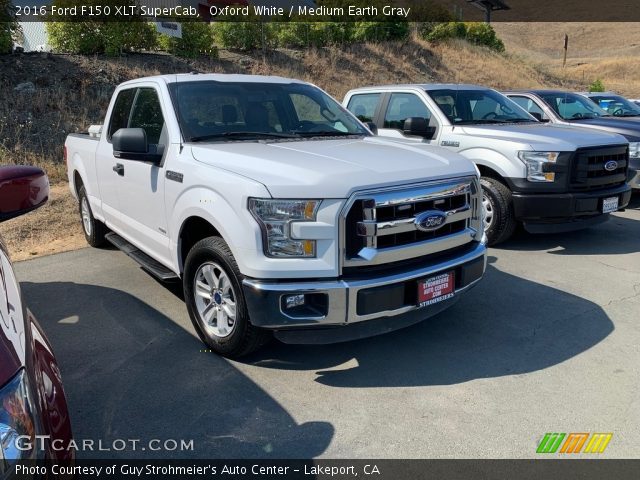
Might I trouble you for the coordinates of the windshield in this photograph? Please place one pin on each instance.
(478, 106)
(571, 106)
(223, 111)
(616, 105)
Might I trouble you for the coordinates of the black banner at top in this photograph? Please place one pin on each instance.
(330, 10)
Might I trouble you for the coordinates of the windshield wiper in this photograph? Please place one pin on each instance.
(248, 135)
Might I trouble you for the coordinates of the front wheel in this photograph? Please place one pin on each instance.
(497, 205)
(213, 293)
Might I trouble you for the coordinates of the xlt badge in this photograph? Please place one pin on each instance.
(449, 143)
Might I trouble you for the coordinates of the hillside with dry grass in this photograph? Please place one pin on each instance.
(45, 97)
(606, 51)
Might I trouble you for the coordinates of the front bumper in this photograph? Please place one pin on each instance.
(634, 173)
(564, 212)
(346, 309)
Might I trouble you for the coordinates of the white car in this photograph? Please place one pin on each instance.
(277, 208)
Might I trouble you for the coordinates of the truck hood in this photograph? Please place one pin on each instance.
(627, 126)
(544, 136)
(332, 168)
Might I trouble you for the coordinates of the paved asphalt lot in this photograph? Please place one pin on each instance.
(548, 342)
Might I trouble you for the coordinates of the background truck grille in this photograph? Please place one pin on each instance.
(381, 227)
(589, 173)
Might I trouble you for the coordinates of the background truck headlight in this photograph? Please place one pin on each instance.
(275, 218)
(16, 423)
(535, 162)
(634, 149)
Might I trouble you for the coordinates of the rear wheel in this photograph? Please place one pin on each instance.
(94, 230)
(213, 293)
(497, 204)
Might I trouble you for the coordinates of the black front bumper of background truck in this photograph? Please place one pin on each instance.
(564, 212)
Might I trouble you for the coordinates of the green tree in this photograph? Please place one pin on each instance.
(484, 34)
(8, 26)
(197, 39)
(98, 35)
(597, 86)
(245, 35)
(448, 30)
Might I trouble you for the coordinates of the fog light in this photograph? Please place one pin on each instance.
(292, 301)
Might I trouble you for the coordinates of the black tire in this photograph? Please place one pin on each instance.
(503, 222)
(94, 230)
(244, 337)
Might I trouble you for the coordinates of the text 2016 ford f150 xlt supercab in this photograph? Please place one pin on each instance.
(277, 208)
(551, 178)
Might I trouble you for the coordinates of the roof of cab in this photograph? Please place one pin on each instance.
(426, 86)
(218, 77)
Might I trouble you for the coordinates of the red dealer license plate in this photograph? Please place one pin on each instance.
(435, 289)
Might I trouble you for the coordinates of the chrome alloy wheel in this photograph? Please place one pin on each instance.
(215, 299)
(487, 209)
(86, 215)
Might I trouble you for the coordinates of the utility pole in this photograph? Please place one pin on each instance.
(566, 45)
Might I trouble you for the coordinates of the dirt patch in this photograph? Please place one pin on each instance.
(53, 228)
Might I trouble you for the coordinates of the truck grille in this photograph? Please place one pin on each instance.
(589, 172)
(389, 226)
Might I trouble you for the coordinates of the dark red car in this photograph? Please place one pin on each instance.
(34, 419)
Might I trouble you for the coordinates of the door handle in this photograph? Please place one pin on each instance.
(119, 169)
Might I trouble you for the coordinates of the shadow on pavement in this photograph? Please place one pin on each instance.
(132, 373)
(505, 326)
(617, 236)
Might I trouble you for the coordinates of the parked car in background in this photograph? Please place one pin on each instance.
(278, 209)
(635, 100)
(32, 400)
(613, 104)
(552, 179)
(565, 108)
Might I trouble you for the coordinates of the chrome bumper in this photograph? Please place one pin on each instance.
(265, 299)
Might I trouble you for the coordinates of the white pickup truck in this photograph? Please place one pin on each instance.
(552, 178)
(277, 208)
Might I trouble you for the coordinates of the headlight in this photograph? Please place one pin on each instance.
(17, 425)
(634, 149)
(535, 162)
(275, 217)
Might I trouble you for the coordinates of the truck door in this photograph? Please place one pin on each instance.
(141, 184)
(108, 179)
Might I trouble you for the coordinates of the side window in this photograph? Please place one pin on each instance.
(147, 114)
(529, 105)
(364, 106)
(402, 106)
(121, 110)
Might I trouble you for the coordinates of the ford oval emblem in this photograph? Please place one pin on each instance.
(611, 165)
(430, 220)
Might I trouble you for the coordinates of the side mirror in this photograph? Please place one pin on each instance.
(131, 144)
(22, 189)
(418, 126)
(373, 127)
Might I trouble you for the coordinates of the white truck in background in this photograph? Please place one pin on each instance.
(552, 178)
(277, 209)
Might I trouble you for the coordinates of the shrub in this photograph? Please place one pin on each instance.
(244, 35)
(95, 36)
(197, 39)
(484, 34)
(8, 26)
(448, 30)
(380, 31)
(597, 86)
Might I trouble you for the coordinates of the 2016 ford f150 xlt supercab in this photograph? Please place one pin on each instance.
(551, 178)
(277, 208)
